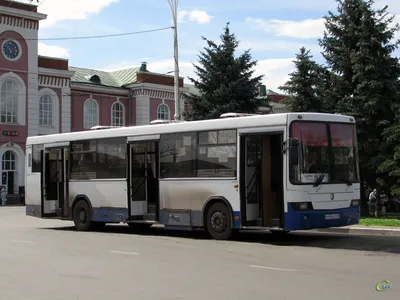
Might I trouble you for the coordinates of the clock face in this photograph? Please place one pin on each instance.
(10, 49)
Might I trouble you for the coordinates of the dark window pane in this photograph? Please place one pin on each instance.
(217, 154)
(113, 158)
(178, 155)
(36, 158)
(99, 159)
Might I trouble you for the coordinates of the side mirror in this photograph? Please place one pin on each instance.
(293, 152)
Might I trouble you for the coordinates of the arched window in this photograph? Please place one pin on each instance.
(163, 112)
(9, 96)
(46, 110)
(8, 161)
(90, 114)
(118, 114)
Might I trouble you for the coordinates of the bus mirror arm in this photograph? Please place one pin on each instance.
(294, 152)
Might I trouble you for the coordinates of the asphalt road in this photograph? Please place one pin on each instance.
(48, 259)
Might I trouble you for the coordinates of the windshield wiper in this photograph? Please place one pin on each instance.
(319, 180)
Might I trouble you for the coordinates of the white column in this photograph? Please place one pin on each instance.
(142, 110)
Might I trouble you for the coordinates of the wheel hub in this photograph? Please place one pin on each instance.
(82, 216)
(218, 221)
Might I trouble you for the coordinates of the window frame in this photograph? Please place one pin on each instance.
(120, 118)
(90, 118)
(14, 115)
(168, 112)
(52, 109)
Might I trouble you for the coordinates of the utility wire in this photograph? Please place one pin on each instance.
(94, 36)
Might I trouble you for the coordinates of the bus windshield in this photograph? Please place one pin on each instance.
(327, 150)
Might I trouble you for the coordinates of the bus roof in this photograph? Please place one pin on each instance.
(204, 125)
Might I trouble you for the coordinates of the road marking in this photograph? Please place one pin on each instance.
(25, 242)
(126, 253)
(272, 268)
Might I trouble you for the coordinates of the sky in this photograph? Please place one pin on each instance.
(274, 30)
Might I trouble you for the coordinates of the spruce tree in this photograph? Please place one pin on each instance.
(306, 86)
(226, 83)
(358, 49)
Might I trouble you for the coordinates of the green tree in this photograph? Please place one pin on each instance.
(226, 83)
(358, 46)
(306, 88)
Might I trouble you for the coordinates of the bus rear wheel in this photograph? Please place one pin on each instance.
(81, 216)
(219, 221)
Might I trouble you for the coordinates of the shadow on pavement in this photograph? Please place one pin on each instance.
(299, 239)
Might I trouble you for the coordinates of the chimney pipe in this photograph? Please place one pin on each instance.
(143, 67)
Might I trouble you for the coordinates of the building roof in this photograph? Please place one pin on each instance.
(113, 79)
(271, 92)
(126, 76)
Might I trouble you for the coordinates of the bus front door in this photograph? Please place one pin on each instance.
(143, 181)
(251, 178)
(55, 182)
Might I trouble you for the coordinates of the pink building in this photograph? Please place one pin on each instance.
(43, 95)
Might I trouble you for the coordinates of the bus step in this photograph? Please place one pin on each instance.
(261, 228)
(276, 222)
(152, 208)
(149, 217)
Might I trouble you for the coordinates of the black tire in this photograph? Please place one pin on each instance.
(81, 216)
(219, 221)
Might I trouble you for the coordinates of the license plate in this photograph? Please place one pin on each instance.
(332, 216)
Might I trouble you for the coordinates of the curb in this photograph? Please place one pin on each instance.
(375, 231)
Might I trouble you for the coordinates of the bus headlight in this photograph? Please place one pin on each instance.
(302, 205)
(355, 203)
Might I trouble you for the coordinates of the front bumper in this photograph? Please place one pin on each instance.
(313, 219)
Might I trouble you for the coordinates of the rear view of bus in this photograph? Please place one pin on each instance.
(323, 187)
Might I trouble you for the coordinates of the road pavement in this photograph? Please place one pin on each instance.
(48, 259)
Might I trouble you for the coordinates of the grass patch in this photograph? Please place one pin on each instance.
(389, 220)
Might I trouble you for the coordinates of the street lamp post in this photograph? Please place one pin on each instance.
(174, 9)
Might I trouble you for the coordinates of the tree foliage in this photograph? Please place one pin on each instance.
(307, 85)
(361, 79)
(358, 47)
(226, 83)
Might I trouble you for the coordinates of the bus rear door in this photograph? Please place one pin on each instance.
(143, 187)
(54, 180)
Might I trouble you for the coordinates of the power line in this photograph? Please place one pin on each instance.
(93, 36)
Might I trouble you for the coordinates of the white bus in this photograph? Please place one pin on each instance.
(278, 172)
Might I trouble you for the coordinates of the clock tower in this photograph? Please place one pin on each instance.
(19, 24)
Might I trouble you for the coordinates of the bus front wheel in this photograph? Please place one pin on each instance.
(219, 221)
(81, 216)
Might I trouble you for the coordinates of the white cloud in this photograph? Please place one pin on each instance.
(275, 70)
(53, 51)
(280, 46)
(198, 16)
(305, 29)
(61, 10)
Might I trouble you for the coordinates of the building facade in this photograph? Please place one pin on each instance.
(44, 95)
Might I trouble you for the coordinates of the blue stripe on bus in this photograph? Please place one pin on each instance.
(116, 215)
(189, 218)
(110, 214)
(237, 222)
(300, 220)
